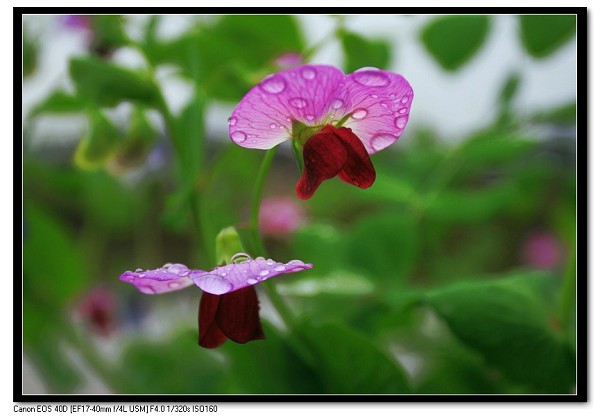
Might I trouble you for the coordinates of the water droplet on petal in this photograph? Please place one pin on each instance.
(139, 270)
(384, 105)
(167, 265)
(270, 262)
(147, 290)
(295, 263)
(260, 259)
(310, 117)
(174, 285)
(223, 274)
(178, 269)
(279, 268)
(281, 127)
(238, 136)
(214, 284)
(374, 96)
(232, 121)
(252, 281)
(405, 99)
(392, 95)
(403, 110)
(309, 73)
(273, 84)
(240, 256)
(337, 103)
(371, 78)
(263, 273)
(360, 114)
(382, 140)
(298, 102)
(401, 121)
(272, 125)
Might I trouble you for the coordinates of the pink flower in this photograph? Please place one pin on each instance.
(229, 304)
(335, 121)
(280, 215)
(542, 250)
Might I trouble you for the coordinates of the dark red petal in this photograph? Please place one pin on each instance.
(237, 315)
(358, 170)
(209, 333)
(324, 157)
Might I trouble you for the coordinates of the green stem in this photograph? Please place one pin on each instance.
(255, 209)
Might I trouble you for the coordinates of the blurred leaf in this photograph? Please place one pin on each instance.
(173, 366)
(52, 263)
(349, 363)
(269, 366)
(565, 115)
(385, 245)
(59, 102)
(228, 244)
(319, 244)
(137, 144)
(30, 54)
(99, 143)
(339, 282)
(108, 84)
(541, 35)
(50, 361)
(108, 32)
(453, 40)
(507, 321)
(361, 52)
(468, 207)
(492, 149)
(220, 55)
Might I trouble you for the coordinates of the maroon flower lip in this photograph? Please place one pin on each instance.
(334, 152)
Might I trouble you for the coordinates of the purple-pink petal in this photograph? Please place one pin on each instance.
(263, 118)
(236, 276)
(379, 103)
(168, 278)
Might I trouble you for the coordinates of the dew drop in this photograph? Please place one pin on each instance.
(295, 263)
(272, 125)
(298, 102)
(309, 73)
(270, 262)
(374, 96)
(371, 78)
(260, 259)
(167, 265)
(232, 121)
(403, 110)
(281, 127)
(360, 114)
(174, 285)
(392, 95)
(405, 99)
(138, 270)
(223, 274)
(252, 281)
(382, 140)
(310, 117)
(273, 84)
(178, 269)
(213, 284)
(279, 268)
(337, 103)
(240, 256)
(147, 290)
(384, 105)
(401, 121)
(264, 273)
(238, 136)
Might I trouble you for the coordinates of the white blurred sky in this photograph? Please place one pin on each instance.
(452, 104)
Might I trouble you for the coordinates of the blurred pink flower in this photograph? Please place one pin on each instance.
(289, 60)
(76, 21)
(542, 249)
(280, 215)
(98, 309)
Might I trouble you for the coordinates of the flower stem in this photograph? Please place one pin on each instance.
(567, 293)
(255, 209)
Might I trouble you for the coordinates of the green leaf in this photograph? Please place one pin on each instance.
(269, 366)
(541, 35)
(50, 361)
(565, 115)
(100, 142)
(349, 363)
(108, 32)
(509, 89)
(361, 52)
(338, 282)
(173, 366)
(385, 245)
(107, 84)
(508, 322)
(30, 54)
(52, 263)
(319, 244)
(137, 144)
(59, 102)
(453, 40)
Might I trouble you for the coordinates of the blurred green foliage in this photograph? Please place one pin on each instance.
(421, 283)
